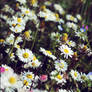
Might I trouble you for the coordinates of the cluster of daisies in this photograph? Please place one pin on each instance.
(29, 66)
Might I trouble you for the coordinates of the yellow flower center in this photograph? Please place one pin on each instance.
(48, 52)
(43, 7)
(33, 64)
(26, 82)
(18, 46)
(66, 51)
(34, 58)
(17, 5)
(11, 54)
(26, 11)
(29, 76)
(75, 74)
(33, 2)
(25, 55)
(18, 25)
(75, 54)
(45, 17)
(6, 69)
(27, 34)
(11, 41)
(13, 25)
(59, 76)
(1, 40)
(57, 16)
(69, 43)
(12, 80)
(19, 20)
(61, 65)
(72, 18)
(85, 47)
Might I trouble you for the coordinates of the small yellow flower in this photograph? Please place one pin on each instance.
(65, 37)
(75, 54)
(27, 34)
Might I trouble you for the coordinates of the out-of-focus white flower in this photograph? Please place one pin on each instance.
(79, 17)
(55, 36)
(83, 77)
(10, 39)
(47, 3)
(89, 75)
(49, 15)
(71, 18)
(47, 53)
(59, 8)
(81, 35)
(10, 80)
(34, 3)
(71, 43)
(61, 65)
(21, 1)
(71, 25)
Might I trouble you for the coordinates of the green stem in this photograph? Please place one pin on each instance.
(24, 42)
(34, 39)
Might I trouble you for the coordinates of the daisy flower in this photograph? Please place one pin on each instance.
(75, 75)
(66, 51)
(83, 77)
(10, 80)
(10, 39)
(25, 55)
(7, 69)
(71, 18)
(58, 77)
(33, 64)
(55, 36)
(72, 25)
(81, 35)
(21, 1)
(61, 65)
(27, 78)
(59, 8)
(47, 3)
(34, 3)
(89, 75)
(79, 17)
(47, 53)
(70, 43)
